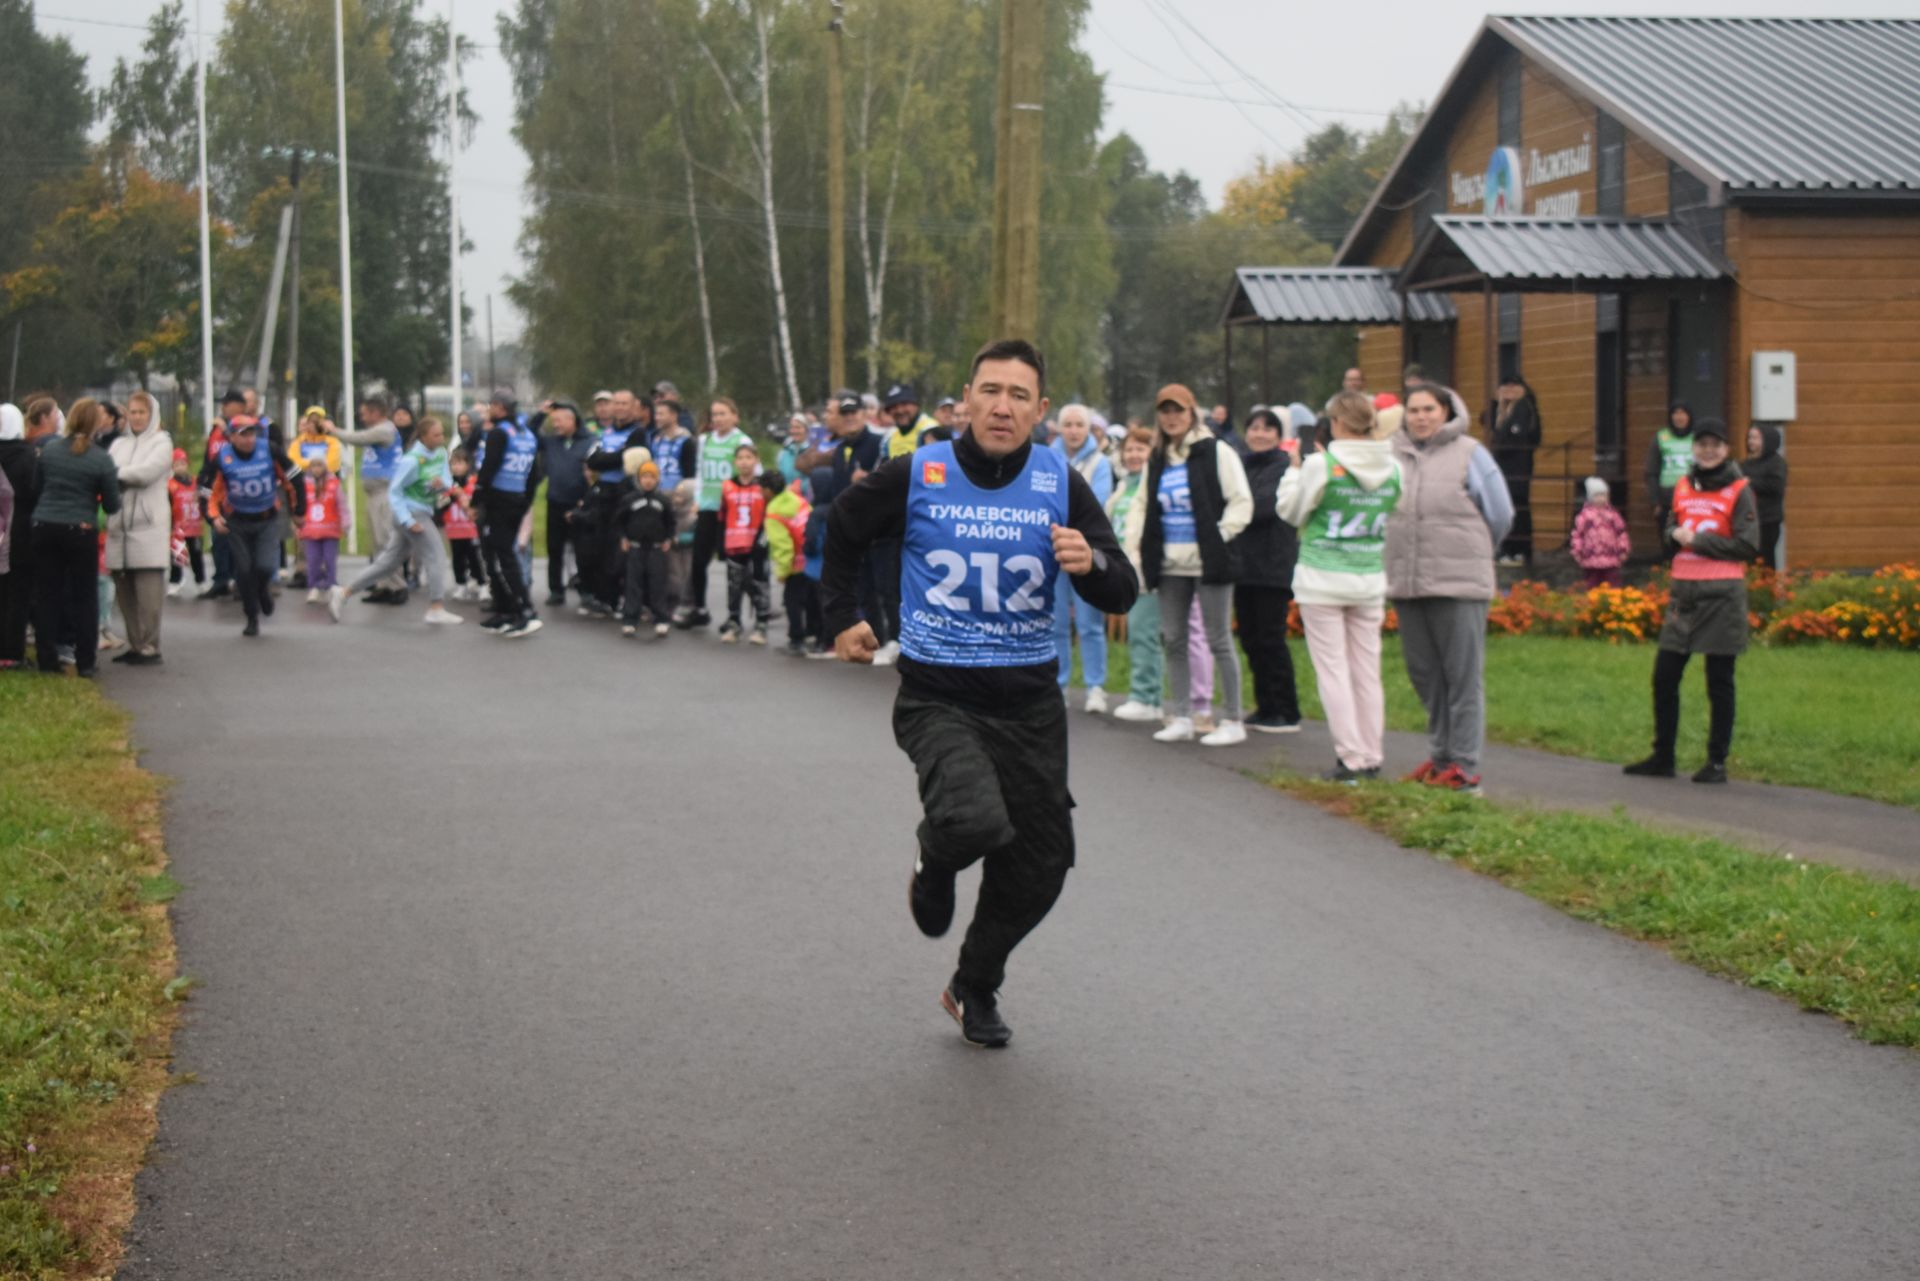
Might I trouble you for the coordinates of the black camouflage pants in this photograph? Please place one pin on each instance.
(994, 788)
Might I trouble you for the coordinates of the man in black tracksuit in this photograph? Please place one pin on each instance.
(985, 521)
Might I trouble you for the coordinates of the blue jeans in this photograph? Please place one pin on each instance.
(1071, 614)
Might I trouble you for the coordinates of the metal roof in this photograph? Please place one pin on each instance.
(1326, 296)
(1761, 104)
(1543, 254)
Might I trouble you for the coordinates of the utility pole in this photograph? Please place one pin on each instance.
(836, 203)
(293, 304)
(453, 216)
(493, 379)
(206, 250)
(1019, 130)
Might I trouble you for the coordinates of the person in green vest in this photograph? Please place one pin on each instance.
(1669, 457)
(1340, 499)
(421, 480)
(720, 435)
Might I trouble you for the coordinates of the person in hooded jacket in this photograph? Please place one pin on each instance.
(1198, 502)
(1268, 548)
(1340, 499)
(1453, 513)
(1513, 435)
(1669, 456)
(18, 461)
(1713, 529)
(1766, 473)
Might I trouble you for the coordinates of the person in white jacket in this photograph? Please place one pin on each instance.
(140, 534)
(1340, 498)
(1183, 541)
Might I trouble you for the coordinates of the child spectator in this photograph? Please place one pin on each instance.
(686, 509)
(187, 525)
(1143, 621)
(743, 506)
(320, 528)
(1600, 540)
(463, 532)
(314, 440)
(787, 515)
(645, 521)
(1340, 499)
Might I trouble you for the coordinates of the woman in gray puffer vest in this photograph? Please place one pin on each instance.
(1454, 509)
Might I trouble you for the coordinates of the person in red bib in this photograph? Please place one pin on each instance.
(743, 505)
(320, 529)
(1713, 528)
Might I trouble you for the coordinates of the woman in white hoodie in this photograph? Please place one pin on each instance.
(1182, 539)
(1340, 498)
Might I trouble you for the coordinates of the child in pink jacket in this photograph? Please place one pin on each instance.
(1600, 542)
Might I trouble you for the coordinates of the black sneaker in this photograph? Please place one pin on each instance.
(930, 898)
(978, 1017)
(796, 649)
(266, 603)
(377, 596)
(1273, 725)
(1711, 772)
(1341, 774)
(219, 591)
(252, 628)
(496, 622)
(127, 657)
(398, 597)
(556, 598)
(1652, 767)
(697, 618)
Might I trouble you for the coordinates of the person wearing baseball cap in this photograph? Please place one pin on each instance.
(602, 410)
(1714, 529)
(910, 426)
(1185, 542)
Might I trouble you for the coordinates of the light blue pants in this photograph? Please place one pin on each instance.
(1143, 650)
(1071, 614)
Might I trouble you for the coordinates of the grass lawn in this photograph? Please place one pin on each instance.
(87, 956)
(1832, 940)
(1830, 717)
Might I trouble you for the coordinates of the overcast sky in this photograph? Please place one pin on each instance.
(1349, 61)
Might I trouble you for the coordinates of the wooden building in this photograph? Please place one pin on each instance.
(1634, 211)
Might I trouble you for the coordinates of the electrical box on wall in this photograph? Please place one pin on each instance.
(1774, 397)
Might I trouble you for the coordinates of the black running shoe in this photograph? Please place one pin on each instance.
(252, 628)
(930, 898)
(1652, 767)
(1341, 774)
(978, 1017)
(396, 597)
(496, 622)
(266, 603)
(556, 598)
(377, 596)
(1711, 772)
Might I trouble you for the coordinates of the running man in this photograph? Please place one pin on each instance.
(245, 483)
(419, 479)
(987, 525)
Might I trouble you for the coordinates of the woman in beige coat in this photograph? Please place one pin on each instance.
(140, 534)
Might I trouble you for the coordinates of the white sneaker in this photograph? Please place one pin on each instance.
(440, 616)
(886, 654)
(174, 589)
(661, 629)
(336, 600)
(1136, 711)
(313, 596)
(1178, 730)
(1097, 701)
(1227, 735)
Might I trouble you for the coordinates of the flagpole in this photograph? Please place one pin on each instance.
(453, 214)
(349, 394)
(206, 235)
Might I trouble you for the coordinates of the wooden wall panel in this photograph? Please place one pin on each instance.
(1552, 120)
(1472, 143)
(1379, 358)
(1843, 294)
(1557, 360)
(1644, 328)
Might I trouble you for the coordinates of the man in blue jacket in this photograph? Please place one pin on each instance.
(565, 446)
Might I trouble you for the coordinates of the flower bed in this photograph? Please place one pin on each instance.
(1877, 610)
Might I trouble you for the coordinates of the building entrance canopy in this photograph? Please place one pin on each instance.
(1325, 296)
(1555, 255)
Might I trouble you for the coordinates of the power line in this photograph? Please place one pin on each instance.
(1248, 102)
(1220, 88)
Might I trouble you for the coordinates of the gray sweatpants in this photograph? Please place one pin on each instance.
(429, 559)
(1445, 644)
(1216, 615)
(380, 525)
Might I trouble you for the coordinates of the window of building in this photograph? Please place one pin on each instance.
(1510, 84)
(1612, 181)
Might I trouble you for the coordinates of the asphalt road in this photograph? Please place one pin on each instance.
(582, 958)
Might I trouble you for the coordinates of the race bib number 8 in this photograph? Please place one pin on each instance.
(957, 576)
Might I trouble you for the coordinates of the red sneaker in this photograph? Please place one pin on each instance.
(1423, 773)
(1455, 779)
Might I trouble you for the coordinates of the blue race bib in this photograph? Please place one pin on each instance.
(977, 573)
(1176, 506)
